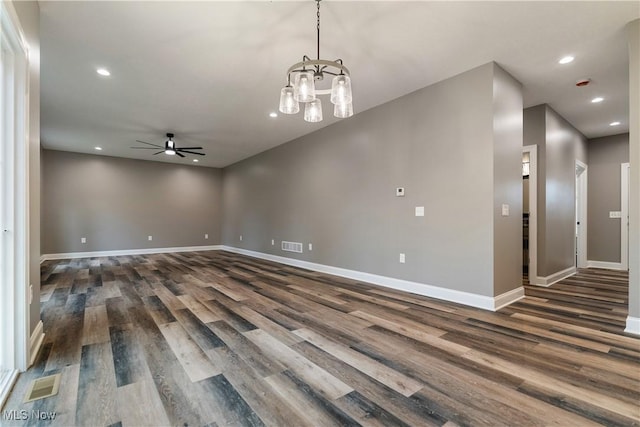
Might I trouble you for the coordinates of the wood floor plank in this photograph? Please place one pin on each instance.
(236, 411)
(96, 402)
(395, 380)
(193, 360)
(313, 410)
(66, 401)
(250, 384)
(327, 384)
(201, 312)
(95, 327)
(139, 404)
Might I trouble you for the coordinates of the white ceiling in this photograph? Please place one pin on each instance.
(211, 72)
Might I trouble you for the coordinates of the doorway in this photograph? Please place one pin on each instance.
(529, 214)
(581, 216)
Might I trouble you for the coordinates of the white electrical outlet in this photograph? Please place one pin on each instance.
(150, 238)
(310, 246)
(419, 210)
(273, 242)
(402, 259)
(505, 210)
(83, 240)
(241, 237)
(206, 236)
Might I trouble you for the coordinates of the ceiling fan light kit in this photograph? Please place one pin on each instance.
(170, 146)
(305, 74)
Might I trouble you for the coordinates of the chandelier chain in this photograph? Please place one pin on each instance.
(318, 28)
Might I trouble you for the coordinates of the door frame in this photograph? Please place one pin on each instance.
(533, 211)
(14, 193)
(624, 220)
(581, 214)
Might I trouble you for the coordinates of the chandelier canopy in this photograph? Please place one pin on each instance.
(305, 74)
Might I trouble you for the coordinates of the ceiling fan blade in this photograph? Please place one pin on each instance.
(190, 152)
(148, 143)
(155, 154)
(181, 155)
(190, 148)
(143, 148)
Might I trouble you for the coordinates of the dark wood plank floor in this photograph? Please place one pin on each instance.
(214, 338)
(593, 298)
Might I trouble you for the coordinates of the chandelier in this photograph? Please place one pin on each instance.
(305, 74)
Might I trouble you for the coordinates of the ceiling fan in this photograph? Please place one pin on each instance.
(169, 148)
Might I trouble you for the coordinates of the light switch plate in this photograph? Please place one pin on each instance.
(615, 214)
(310, 246)
(150, 238)
(505, 210)
(402, 259)
(419, 210)
(83, 240)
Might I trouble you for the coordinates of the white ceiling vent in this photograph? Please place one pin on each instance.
(292, 247)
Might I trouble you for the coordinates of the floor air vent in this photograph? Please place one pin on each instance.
(43, 387)
(292, 247)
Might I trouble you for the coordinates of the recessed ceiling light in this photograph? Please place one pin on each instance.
(98, 148)
(103, 72)
(566, 60)
(272, 114)
(597, 99)
(614, 123)
(195, 160)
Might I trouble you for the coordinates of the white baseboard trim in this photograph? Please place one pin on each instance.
(507, 298)
(35, 342)
(466, 298)
(7, 380)
(633, 325)
(605, 264)
(72, 255)
(555, 277)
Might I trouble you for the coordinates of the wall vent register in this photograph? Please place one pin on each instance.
(292, 247)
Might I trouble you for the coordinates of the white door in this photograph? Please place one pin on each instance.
(581, 215)
(624, 220)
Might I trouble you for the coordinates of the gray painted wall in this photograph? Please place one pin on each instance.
(603, 234)
(559, 145)
(335, 188)
(507, 181)
(633, 35)
(29, 16)
(564, 145)
(116, 203)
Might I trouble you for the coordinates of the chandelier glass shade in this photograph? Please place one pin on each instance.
(313, 111)
(288, 102)
(305, 74)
